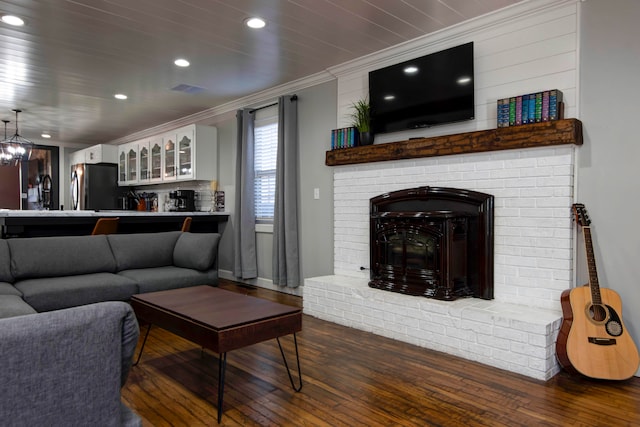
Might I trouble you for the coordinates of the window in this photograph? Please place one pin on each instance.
(266, 146)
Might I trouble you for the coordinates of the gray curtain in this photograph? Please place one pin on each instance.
(245, 265)
(286, 268)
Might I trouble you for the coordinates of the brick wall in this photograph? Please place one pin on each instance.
(533, 192)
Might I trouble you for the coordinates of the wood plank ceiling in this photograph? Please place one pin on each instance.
(64, 66)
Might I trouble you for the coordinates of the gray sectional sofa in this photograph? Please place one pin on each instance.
(66, 367)
(51, 273)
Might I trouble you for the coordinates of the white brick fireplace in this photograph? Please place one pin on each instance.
(533, 190)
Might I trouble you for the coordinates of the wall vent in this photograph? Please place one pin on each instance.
(188, 89)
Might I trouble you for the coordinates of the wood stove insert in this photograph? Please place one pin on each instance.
(435, 242)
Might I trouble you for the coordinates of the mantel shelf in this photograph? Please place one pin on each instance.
(559, 132)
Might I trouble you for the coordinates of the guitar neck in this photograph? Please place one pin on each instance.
(591, 266)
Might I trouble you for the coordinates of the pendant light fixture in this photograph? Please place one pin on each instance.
(16, 146)
(5, 157)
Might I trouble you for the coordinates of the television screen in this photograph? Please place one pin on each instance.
(423, 92)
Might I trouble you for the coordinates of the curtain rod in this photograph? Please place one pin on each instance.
(293, 98)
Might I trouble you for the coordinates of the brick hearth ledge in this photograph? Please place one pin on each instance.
(513, 337)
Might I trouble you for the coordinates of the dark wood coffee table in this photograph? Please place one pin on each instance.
(220, 321)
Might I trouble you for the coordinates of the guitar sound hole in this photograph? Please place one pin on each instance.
(597, 312)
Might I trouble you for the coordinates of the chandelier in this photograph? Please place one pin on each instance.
(5, 158)
(15, 148)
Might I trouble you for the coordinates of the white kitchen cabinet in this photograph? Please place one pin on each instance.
(191, 153)
(122, 165)
(155, 159)
(185, 154)
(169, 157)
(150, 160)
(128, 164)
(101, 153)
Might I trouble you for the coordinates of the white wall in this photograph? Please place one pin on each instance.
(526, 48)
(608, 161)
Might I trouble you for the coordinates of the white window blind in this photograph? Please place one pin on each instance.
(266, 146)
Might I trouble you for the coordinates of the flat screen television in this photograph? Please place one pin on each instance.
(431, 90)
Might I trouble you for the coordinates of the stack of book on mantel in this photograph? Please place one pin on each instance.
(530, 108)
(344, 138)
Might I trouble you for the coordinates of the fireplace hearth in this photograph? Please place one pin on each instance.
(435, 242)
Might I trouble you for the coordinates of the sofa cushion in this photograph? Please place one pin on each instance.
(55, 293)
(196, 250)
(143, 250)
(163, 278)
(9, 289)
(5, 264)
(60, 256)
(13, 305)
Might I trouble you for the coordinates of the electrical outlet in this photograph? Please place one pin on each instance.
(316, 193)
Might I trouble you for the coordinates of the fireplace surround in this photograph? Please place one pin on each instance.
(532, 231)
(435, 242)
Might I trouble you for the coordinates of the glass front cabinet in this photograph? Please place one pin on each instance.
(143, 148)
(155, 159)
(150, 153)
(128, 163)
(185, 154)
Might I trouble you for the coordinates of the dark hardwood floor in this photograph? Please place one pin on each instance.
(354, 378)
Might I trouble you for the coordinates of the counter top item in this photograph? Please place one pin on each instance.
(78, 223)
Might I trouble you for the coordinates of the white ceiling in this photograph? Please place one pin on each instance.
(64, 66)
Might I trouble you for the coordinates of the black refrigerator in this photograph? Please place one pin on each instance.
(94, 186)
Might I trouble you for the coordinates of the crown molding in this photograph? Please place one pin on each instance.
(253, 100)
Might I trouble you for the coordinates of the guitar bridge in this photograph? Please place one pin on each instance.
(602, 341)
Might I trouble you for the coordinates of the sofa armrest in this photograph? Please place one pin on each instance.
(198, 251)
(66, 367)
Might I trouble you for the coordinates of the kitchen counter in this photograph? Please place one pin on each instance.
(11, 212)
(16, 223)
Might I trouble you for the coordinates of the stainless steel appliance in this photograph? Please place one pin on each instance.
(94, 186)
(183, 200)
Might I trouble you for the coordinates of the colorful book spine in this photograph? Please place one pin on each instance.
(530, 108)
(512, 111)
(344, 138)
(503, 113)
(525, 109)
(538, 107)
(555, 104)
(545, 106)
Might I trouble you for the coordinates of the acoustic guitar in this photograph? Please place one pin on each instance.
(593, 340)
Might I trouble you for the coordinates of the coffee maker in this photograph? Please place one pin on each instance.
(183, 200)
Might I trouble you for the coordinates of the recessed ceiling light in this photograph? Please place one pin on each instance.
(120, 96)
(411, 69)
(12, 20)
(464, 80)
(255, 22)
(180, 62)
(45, 136)
(389, 97)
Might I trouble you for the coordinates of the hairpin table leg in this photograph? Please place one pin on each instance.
(143, 343)
(222, 367)
(299, 386)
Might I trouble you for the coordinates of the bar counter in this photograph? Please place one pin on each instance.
(15, 223)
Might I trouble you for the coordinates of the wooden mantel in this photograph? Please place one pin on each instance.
(560, 132)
